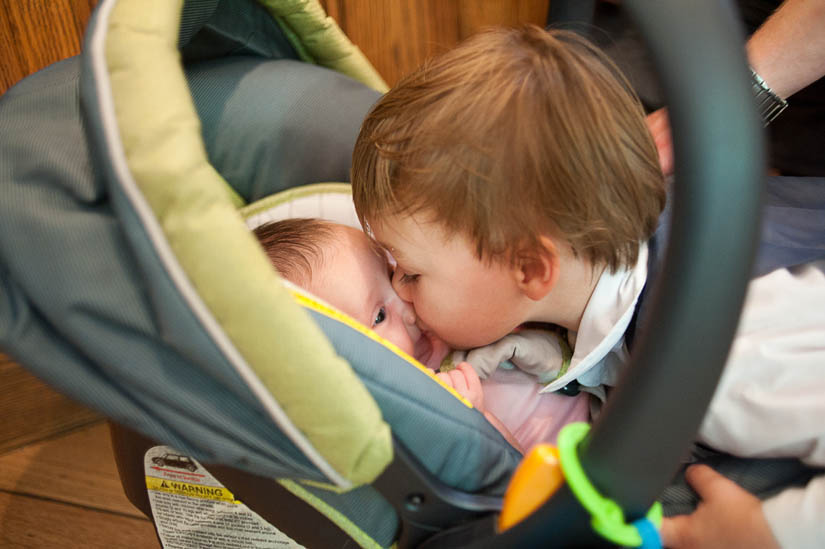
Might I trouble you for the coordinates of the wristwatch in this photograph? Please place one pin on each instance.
(769, 104)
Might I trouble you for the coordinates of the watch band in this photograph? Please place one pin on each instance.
(769, 104)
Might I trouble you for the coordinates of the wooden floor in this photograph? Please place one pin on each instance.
(65, 492)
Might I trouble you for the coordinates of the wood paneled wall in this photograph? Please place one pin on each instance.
(395, 35)
(36, 33)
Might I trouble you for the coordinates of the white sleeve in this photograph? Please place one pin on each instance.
(771, 398)
(796, 516)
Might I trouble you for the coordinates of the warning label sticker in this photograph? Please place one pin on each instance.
(191, 490)
(191, 508)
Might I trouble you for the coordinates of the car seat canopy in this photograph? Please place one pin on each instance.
(188, 215)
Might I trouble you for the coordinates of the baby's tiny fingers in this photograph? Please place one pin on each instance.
(444, 378)
(459, 382)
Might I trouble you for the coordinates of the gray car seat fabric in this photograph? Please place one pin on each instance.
(454, 443)
(216, 28)
(76, 309)
(314, 110)
(449, 439)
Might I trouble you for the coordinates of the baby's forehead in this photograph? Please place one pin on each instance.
(383, 253)
(362, 243)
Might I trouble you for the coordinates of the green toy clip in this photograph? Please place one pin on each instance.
(607, 516)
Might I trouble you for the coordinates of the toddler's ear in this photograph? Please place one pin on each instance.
(538, 270)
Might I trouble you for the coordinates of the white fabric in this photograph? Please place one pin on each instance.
(599, 351)
(771, 398)
(332, 205)
(796, 516)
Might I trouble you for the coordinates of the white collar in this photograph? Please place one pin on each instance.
(605, 319)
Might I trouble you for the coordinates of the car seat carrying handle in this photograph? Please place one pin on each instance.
(719, 179)
(719, 184)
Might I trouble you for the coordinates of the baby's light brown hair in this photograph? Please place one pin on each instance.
(515, 134)
(296, 246)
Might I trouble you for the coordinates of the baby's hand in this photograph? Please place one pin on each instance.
(466, 382)
(727, 517)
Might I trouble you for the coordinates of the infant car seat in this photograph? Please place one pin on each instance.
(131, 283)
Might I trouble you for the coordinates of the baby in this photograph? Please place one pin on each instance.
(342, 266)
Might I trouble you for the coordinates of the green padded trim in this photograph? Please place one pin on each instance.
(295, 40)
(318, 38)
(282, 197)
(216, 262)
(360, 537)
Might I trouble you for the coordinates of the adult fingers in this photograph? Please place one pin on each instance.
(675, 531)
(706, 481)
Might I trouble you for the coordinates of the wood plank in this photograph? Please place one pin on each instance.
(474, 15)
(398, 36)
(29, 522)
(77, 468)
(35, 34)
(395, 36)
(33, 411)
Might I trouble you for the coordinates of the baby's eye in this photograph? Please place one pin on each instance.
(380, 317)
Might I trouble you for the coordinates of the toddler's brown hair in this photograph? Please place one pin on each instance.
(514, 134)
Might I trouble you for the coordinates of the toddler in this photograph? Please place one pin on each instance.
(514, 180)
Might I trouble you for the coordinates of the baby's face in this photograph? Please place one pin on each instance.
(356, 279)
(466, 301)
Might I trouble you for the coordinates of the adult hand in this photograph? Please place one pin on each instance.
(728, 517)
(659, 125)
